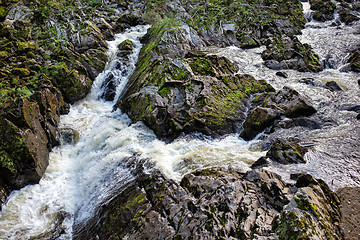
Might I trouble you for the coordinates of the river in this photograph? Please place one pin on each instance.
(83, 175)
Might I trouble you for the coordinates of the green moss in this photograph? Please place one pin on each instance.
(23, 72)
(289, 227)
(305, 205)
(13, 149)
(164, 92)
(224, 103)
(207, 172)
(202, 67)
(126, 45)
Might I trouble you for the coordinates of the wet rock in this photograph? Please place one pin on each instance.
(354, 60)
(308, 81)
(324, 10)
(282, 74)
(127, 20)
(69, 135)
(257, 121)
(268, 107)
(285, 152)
(213, 202)
(261, 162)
(347, 17)
(298, 122)
(4, 193)
(126, 45)
(109, 88)
(287, 52)
(333, 86)
(350, 209)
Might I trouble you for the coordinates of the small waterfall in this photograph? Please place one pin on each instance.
(82, 176)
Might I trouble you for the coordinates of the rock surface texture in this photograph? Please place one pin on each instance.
(219, 204)
(50, 52)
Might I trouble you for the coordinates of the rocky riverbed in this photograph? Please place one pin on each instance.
(197, 129)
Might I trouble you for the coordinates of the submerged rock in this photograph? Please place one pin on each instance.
(213, 203)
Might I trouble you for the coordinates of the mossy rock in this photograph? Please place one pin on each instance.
(126, 45)
(286, 152)
(289, 226)
(202, 67)
(354, 61)
(290, 53)
(347, 17)
(247, 41)
(73, 85)
(266, 108)
(324, 9)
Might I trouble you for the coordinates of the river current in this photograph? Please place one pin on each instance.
(83, 175)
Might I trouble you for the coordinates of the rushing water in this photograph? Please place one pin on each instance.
(334, 155)
(83, 175)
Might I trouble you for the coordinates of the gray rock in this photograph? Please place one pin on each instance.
(212, 202)
(268, 107)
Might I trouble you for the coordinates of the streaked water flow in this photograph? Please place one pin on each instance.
(81, 177)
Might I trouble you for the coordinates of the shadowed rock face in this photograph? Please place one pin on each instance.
(215, 203)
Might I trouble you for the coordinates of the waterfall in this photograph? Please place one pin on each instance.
(82, 176)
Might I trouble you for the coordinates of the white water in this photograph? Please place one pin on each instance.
(335, 152)
(82, 176)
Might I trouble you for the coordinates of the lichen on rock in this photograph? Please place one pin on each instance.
(217, 203)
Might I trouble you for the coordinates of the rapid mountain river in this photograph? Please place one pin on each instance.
(82, 175)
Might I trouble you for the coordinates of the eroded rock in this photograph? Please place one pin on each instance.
(268, 107)
(214, 203)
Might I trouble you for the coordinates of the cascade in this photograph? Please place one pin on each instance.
(83, 175)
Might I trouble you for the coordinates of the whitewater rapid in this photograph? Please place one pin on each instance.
(82, 176)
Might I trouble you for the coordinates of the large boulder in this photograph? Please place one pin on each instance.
(268, 107)
(324, 10)
(287, 52)
(187, 92)
(215, 203)
(28, 132)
